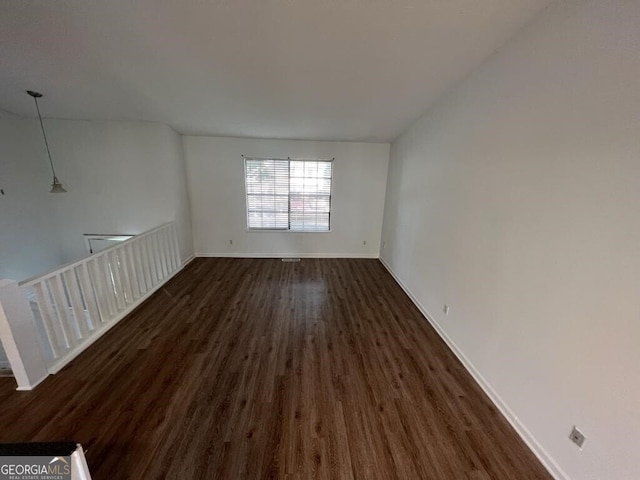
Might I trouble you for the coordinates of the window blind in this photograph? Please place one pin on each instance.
(285, 194)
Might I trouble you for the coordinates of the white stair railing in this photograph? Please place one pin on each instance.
(75, 304)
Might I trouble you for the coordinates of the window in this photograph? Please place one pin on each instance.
(285, 194)
(96, 243)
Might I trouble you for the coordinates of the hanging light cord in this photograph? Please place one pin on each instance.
(45, 137)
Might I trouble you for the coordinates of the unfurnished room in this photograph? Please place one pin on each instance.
(320, 239)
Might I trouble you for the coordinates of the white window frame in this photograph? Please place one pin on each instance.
(89, 238)
(289, 229)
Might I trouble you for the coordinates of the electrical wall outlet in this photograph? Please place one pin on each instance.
(445, 309)
(577, 437)
(384, 245)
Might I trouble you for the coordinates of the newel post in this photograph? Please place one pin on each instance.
(19, 336)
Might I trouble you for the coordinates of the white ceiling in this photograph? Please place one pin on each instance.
(309, 69)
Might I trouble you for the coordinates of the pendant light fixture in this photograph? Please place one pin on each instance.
(56, 186)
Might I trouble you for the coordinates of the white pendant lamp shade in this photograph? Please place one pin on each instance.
(56, 186)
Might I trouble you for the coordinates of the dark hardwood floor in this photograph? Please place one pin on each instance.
(244, 368)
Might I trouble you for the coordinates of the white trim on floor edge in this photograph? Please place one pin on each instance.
(538, 450)
(32, 385)
(289, 255)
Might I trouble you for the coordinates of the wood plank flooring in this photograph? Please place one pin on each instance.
(256, 369)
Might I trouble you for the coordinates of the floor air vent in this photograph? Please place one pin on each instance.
(290, 259)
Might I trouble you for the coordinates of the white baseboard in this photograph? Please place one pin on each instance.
(32, 385)
(188, 260)
(289, 255)
(538, 450)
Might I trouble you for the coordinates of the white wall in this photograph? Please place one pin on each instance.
(28, 238)
(215, 169)
(516, 200)
(121, 177)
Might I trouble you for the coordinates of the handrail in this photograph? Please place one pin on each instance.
(52, 272)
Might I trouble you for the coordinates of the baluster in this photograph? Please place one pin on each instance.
(131, 268)
(104, 273)
(112, 294)
(114, 266)
(89, 295)
(156, 258)
(153, 266)
(166, 234)
(164, 265)
(76, 302)
(123, 265)
(161, 260)
(97, 279)
(47, 321)
(175, 246)
(62, 308)
(141, 264)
